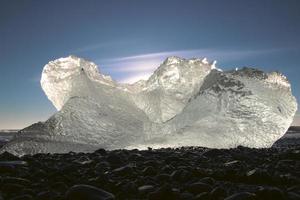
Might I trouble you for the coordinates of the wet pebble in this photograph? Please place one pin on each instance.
(88, 192)
(198, 187)
(242, 196)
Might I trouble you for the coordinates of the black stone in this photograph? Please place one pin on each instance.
(242, 196)
(218, 193)
(8, 157)
(149, 171)
(270, 193)
(198, 187)
(146, 189)
(22, 197)
(88, 192)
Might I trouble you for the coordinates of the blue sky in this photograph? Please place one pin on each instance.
(129, 38)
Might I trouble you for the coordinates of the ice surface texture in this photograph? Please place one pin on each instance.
(186, 102)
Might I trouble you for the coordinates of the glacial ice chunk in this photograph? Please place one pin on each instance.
(185, 102)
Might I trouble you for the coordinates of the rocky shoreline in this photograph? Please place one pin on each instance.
(181, 173)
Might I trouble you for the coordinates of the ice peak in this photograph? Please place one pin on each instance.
(172, 60)
(278, 78)
(250, 73)
(73, 57)
(204, 61)
(213, 64)
(59, 76)
(70, 58)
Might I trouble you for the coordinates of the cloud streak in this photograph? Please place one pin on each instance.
(129, 68)
(102, 45)
(209, 53)
(136, 77)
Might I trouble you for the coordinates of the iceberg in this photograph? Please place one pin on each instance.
(185, 102)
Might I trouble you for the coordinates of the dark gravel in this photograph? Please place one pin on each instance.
(182, 173)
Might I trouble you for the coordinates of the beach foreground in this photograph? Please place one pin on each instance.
(182, 173)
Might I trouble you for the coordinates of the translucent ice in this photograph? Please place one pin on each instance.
(186, 102)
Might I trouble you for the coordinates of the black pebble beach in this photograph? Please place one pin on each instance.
(185, 173)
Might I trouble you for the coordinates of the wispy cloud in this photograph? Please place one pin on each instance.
(136, 77)
(104, 45)
(143, 65)
(209, 53)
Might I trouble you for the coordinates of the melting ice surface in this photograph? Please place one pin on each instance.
(185, 102)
